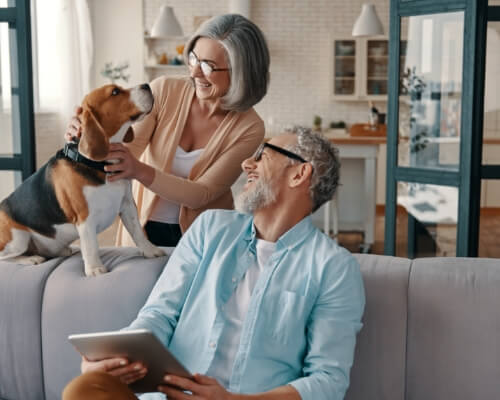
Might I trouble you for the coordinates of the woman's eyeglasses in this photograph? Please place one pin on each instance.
(206, 68)
(289, 154)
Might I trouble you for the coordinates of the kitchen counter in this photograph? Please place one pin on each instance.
(346, 139)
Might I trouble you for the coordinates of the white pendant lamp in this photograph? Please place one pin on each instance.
(368, 22)
(242, 7)
(166, 24)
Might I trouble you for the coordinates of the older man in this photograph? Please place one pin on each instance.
(260, 302)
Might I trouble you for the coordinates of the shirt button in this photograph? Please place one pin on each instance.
(211, 345)
(233, 280)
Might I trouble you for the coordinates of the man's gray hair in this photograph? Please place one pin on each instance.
(323, 156)
(247, 55)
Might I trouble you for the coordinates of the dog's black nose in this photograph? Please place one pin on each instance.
(145, 86)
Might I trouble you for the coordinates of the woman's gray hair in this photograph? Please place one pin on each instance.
(247, 55)
(323, 156)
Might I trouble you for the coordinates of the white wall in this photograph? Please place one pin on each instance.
(117, 32)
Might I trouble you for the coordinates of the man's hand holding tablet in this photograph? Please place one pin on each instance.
(136, 357)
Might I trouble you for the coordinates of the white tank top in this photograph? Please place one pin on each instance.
(166, 211)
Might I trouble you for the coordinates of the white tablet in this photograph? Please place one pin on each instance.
(134, 345)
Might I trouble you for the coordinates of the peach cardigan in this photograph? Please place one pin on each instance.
(209, 183)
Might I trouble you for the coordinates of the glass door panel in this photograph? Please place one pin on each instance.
(489, 222)
(377, 56)
(432, 214)
(9, 143)
(431, 90)
(345, 67)
(7, 3)
(491, 122)
(9, 181)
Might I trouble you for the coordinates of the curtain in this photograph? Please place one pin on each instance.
(75, 54)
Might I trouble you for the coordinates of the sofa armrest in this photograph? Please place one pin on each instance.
(21, 294)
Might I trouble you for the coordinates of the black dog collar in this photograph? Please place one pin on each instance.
(71, 151)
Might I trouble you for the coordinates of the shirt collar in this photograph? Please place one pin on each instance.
(291, 238)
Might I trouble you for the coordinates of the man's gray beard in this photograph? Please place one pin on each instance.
(262, 195)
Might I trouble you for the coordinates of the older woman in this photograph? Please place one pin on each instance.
(187, 152)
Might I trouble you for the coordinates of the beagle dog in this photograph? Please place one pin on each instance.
(69, 197)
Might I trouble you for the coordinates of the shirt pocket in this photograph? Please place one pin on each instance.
(290, 316)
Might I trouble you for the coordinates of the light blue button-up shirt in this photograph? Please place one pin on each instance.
(303, 316)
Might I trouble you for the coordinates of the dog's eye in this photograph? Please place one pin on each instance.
(115, 92)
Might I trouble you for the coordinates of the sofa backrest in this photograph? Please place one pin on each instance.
(453, 349)
(431, 330)
(379, 365)
(74, 303)
(21, 296)
(40, 305)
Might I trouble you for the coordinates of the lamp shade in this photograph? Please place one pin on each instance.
(166, 24)
(241, 7)
(368, 22)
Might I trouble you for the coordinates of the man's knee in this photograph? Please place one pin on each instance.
(97, 385)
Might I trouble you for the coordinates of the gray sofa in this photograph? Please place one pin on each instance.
(431, 326)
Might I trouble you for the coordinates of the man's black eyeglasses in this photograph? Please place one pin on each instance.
(258, 154)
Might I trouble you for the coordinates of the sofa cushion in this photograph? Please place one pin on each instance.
(379, 363)
(21, 295)
(74, 303)
(454, 329)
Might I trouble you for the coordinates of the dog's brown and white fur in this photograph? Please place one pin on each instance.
(65, 199)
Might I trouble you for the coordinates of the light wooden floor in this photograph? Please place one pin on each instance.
(489, 237)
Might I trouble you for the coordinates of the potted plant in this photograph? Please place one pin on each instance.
(338, 127)
(116, 73)
(317, 121)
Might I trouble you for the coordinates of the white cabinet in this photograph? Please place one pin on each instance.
(360, 68)
(346, 69)
(163, 56)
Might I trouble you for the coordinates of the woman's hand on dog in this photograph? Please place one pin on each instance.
(118, 367)
(74, 129)
(126, 166)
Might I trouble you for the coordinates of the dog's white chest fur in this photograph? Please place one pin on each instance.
(104, 202)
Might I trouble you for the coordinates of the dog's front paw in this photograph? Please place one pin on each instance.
(95, 270)
(29, 260)
(152, 252)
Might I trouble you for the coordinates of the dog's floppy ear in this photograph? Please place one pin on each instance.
(94, 143)
(129, 136)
